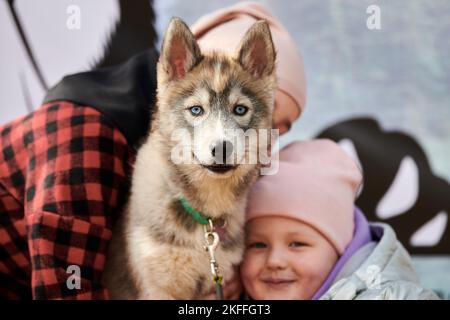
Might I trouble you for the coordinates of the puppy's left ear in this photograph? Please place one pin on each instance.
(180, 51)
(256, 52)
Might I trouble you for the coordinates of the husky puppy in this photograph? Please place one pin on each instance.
(157, 250)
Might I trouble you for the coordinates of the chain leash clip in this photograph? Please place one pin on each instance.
(211, 243)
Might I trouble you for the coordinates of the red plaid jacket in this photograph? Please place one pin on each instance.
(64, 172)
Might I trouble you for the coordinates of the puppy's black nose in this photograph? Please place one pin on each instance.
(221, 151)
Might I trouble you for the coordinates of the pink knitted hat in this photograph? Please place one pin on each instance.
(316, 183)
(223, 30)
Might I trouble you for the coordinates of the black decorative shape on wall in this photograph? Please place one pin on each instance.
(380, 153)
(135, 32)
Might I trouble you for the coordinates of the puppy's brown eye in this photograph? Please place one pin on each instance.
(240, 110)
(196, 111)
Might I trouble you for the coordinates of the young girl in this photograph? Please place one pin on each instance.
(307, 240)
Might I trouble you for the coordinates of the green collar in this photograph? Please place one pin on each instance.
(197, 216)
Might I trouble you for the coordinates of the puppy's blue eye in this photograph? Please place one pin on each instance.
(240, 110)
(196, 110)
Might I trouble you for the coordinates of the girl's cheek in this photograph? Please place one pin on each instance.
(303, 263)
(251, 264)
(250, 270)
(308, 266)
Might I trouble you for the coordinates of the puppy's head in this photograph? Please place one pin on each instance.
(211, 106)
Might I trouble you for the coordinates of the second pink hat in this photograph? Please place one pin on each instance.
(316, 183)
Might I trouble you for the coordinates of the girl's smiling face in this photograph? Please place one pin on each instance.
(285, 259)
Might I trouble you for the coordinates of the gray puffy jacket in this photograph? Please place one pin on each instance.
(380, 270)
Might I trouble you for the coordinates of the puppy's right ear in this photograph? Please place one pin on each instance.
(180, 51)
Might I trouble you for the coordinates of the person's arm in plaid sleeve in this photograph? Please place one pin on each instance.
(63, 173)
(74, 178)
